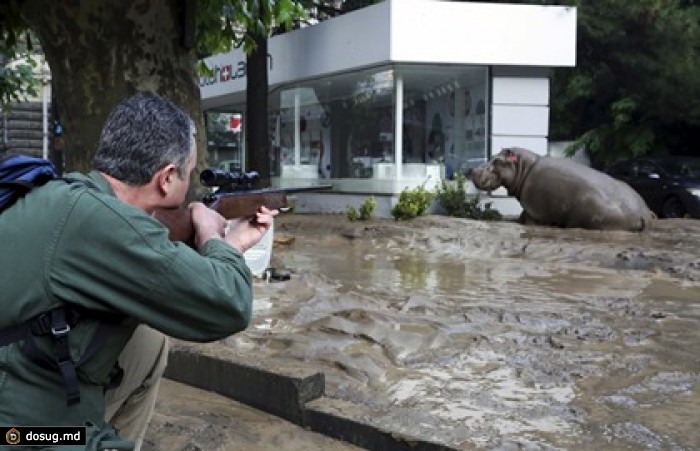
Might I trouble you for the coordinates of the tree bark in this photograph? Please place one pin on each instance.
(102, 51)
(256, 121)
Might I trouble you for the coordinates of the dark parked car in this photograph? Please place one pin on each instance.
(669, 185)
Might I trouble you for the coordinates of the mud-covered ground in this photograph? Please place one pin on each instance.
(190, 419)
(493, 335)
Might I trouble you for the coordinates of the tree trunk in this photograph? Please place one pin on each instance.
(102, 51)
(256, 126)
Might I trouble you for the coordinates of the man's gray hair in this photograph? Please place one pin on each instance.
(143, 134)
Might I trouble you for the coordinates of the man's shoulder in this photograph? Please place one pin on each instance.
(92, 180)
(92, 202)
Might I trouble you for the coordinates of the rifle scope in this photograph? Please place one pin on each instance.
(218, 178)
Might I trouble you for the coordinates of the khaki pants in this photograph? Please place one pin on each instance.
(128, 407)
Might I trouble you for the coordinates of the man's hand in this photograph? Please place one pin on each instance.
(245, 233)
(208, 224)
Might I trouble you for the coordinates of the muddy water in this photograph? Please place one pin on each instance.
(494, 335)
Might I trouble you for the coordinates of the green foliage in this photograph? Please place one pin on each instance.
(412, 203)
(366, 210)
(17, 78)
(487, 212)
(636, 87)
(452, 196)
(240, 23)
(352, 214)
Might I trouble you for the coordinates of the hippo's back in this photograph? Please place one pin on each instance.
(613, 199)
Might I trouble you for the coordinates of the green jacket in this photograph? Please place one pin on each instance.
(70, 243)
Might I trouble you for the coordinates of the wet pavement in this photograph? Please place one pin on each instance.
(480, 335)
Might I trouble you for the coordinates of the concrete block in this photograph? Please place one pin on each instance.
(280, 394)
(355, 424)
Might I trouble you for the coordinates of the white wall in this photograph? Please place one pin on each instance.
(482, 33)
(520, 113)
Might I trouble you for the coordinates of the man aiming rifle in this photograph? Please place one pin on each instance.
(92, 284)
(235, 196)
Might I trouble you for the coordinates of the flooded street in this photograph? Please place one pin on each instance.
(479, 335)
(494, 334)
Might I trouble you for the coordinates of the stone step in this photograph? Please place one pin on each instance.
(281, 394)
(290, 391)
(188, 418)
(357, 424)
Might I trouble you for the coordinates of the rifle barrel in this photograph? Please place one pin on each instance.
(245, 203)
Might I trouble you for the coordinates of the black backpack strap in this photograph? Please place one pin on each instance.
(14, 334)
(59, 331)
(57, 323)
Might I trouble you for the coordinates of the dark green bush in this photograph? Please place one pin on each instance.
(352, 214)
(412, 203)
(453, 198)
(366, 210)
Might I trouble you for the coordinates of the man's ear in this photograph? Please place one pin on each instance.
(165, 177)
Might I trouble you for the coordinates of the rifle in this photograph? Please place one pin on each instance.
(235, 197)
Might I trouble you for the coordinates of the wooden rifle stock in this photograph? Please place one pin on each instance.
(237, 204)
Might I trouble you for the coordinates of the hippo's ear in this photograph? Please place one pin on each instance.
(509, 155)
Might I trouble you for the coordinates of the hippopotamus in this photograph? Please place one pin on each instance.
(561, 192)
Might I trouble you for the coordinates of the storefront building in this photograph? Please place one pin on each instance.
(396, 95)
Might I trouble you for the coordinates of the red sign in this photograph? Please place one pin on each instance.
(235, 123)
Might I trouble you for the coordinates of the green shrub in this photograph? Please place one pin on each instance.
(352, 214)
(453, 198)
(487, 213)
(367, 208)
(412, 203)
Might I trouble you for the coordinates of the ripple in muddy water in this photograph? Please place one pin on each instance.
(495, 335)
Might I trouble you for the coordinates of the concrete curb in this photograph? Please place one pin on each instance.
(297, 398)
(329, 417)
(279, 394)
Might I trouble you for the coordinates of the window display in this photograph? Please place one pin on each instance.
(450, 103)
(343, 127)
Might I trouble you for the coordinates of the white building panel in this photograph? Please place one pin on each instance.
(350, 41)
(482, 33)
(537, 144)
(520, 91)
(520, 120)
